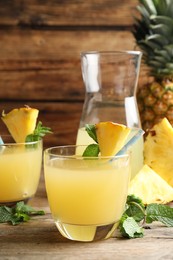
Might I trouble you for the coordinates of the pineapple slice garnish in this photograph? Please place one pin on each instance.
(158, 150)
(111, 137)
(21, 122)
(150, 187)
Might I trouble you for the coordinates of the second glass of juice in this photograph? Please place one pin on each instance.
(20, 167)
(86, 195)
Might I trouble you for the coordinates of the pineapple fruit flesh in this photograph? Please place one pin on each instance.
(158, 150)
(20, 122)
(153, 30)
(150, 187)
(117, 134)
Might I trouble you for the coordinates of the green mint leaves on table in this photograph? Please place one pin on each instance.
(136, 215)
(91, 150)
(39, 132)
(18, 214)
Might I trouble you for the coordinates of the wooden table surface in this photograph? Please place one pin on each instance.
(40, 239)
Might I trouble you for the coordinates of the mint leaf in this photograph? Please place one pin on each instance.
(17, 214)
(39, 132)
(91, 130)
(134, 198)
(158, 212)
(5, 214)
(135, 208)
(91, 150)
(129, 228)
(136, 211)
(21, 207)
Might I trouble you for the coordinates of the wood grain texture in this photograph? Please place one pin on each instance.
(62, 117)
(40, 46)
(44, 61)
(66, 13)
(37, 45)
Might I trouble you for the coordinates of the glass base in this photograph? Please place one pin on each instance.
(86, 233)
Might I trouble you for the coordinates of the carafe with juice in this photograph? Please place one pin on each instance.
(110, 79)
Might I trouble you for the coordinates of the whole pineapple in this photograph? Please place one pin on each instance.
(153, 31)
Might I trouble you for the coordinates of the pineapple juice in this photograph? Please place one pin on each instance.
(136, 150)
(19, 172)
(87, 197)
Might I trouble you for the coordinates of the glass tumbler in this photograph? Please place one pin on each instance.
(87, 195)
(20, 167)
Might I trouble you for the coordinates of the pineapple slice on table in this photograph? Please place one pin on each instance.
(111, 137)
(21, 122)
(158, 150)
(150, 187)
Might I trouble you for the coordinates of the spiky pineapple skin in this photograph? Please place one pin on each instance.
(155, 101)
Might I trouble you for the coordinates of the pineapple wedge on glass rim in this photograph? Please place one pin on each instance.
(20, 122)
(117, 134)
(153, 30)
(158, 150)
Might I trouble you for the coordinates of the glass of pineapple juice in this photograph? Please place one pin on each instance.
(20, 167)
(86, 195)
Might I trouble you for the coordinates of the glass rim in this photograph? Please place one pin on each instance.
(118, 52)
(47, 151)
(14, 143)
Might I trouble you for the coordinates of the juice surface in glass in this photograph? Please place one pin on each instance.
(20, 168)
(86, 196)
(136, 149)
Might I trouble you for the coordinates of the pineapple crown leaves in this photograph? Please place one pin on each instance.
(157, 7)
(153, 33)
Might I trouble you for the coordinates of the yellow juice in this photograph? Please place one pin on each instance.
(136, 150)
(19, 173)
(86, 194)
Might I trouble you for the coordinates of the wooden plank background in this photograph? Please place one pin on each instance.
(40, 46)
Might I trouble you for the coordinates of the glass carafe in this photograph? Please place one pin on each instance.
(110, 80)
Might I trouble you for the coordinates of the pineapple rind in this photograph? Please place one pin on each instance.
(158, 150)
(156, 104)
(21, 122)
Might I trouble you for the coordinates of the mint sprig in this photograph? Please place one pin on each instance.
(136, 215)
(129, 228)
(91, 150)
(39, 132)
(18, 214)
